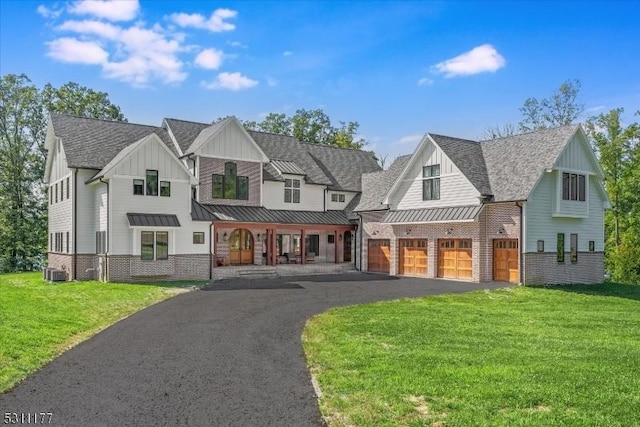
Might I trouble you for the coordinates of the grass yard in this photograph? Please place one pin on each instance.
(518, 356)
(40, 320)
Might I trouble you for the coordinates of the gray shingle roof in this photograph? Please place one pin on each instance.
(416, 216)
(375, 185)
(92, 143)
(152, 220)
(467, 156)
(343, 166)
(185, 132)
(515, 163)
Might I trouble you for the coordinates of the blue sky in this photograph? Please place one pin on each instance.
(398, 68)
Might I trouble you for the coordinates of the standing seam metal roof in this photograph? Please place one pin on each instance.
(415, 216)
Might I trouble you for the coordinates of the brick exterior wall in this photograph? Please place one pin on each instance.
(543, 268)
(210, 166)
(499, 221)
(61, 262)
(128, 268)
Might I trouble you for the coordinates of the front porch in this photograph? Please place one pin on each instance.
(264, 271)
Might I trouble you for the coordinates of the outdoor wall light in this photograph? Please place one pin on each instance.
(258, 235)
(407, 231)
(448, 231)
(501, 230)
(374, 233)
(225, 236)
(340, 237)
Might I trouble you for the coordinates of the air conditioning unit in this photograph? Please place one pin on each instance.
(58, 275)
(47, 273)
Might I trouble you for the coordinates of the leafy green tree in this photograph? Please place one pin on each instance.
(310, 126)
(23, 124)
(618, 149)
(561, 108)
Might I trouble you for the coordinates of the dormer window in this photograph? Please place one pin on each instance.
(573, 186)
(291, 190)
(431, 182)
(339, 198)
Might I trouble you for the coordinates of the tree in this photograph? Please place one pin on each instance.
(499, 131)
(618, 149)
(562, 108)
(310, 126)
(23, 125)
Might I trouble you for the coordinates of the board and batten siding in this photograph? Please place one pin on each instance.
(231, 142)
(311, 195)
(541, 225)
(125, 240)
(150, 155)
(87, 213)
(576, 157)
(455, 188)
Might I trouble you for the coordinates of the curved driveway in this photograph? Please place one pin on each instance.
(228, 355)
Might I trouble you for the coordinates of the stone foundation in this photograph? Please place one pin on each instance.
(543, 268)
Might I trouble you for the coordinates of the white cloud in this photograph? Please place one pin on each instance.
(48, 13)
(216, 22)
(409, 139)
(425, 81)
(210, 59)
(480, 59)
(287, 53)
(230, 81)
(238, 44)
(67, 49)
(96, 28)
(112, 10)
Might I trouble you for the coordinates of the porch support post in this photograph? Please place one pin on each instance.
(273, 246)
(335, 245)
(214, 237)
(303, 255)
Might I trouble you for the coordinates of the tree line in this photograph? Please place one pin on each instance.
(23, 121)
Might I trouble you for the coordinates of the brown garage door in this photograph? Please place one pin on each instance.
(413, 257)
(505, 261)
(455, 259)
(379, 255)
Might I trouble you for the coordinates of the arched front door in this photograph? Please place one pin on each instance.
(347, 246)
(241, 247)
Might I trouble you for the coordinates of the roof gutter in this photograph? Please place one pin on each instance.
(74, 221)
(106, 255)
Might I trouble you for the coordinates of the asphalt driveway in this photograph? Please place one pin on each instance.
(228, 355)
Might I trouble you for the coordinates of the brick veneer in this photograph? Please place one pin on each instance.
(210, 166)
(499, 221)
(61, 262)
(543, 268)
(128, 268)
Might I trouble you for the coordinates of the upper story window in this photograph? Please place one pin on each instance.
(230, 185)
(138, 187)
(337, 198)
(292, 190)
(431, 182)
(67, 188)
(165, 188)
(573, 186)
(152, 182)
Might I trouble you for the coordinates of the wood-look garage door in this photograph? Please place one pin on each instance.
(413, 257)
(455, 259)
(379, 255)
(505, 261)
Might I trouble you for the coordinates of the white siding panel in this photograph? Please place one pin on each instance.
(311, 196)
(87, 216)
(231, 143)
(338, 205)
(541, 225)
(576, 156)
(151, 155)
(455, 188)
(59, 167)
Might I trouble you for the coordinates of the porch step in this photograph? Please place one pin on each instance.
(257, 272)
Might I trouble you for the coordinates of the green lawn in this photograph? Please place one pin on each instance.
(517, 356)
(40, 320)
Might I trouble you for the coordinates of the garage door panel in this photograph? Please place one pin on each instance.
(379, 255)
(455, 259)
(412, 257)
(506, 260)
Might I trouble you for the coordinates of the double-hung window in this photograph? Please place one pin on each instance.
(165, 188)
(154, 245)
(291, 190)
(431, 182)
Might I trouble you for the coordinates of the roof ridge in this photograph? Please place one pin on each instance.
(531, 132)
(454, 137)
(105, 120)
(189, 121)
(317, 144)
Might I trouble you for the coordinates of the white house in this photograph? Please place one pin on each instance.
(185, 200)
(133, 203)
(523, 209)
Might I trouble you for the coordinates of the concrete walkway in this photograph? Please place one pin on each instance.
(228, 355)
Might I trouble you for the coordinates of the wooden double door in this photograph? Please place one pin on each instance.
(413, 257)
(455, 259)
(506, 260)
(241, 247)
(379, 255)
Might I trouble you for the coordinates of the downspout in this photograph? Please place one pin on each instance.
(211, 261)
(74, 220)
(522, 243)
(324, 199)
(106, 255)
(361, 239)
